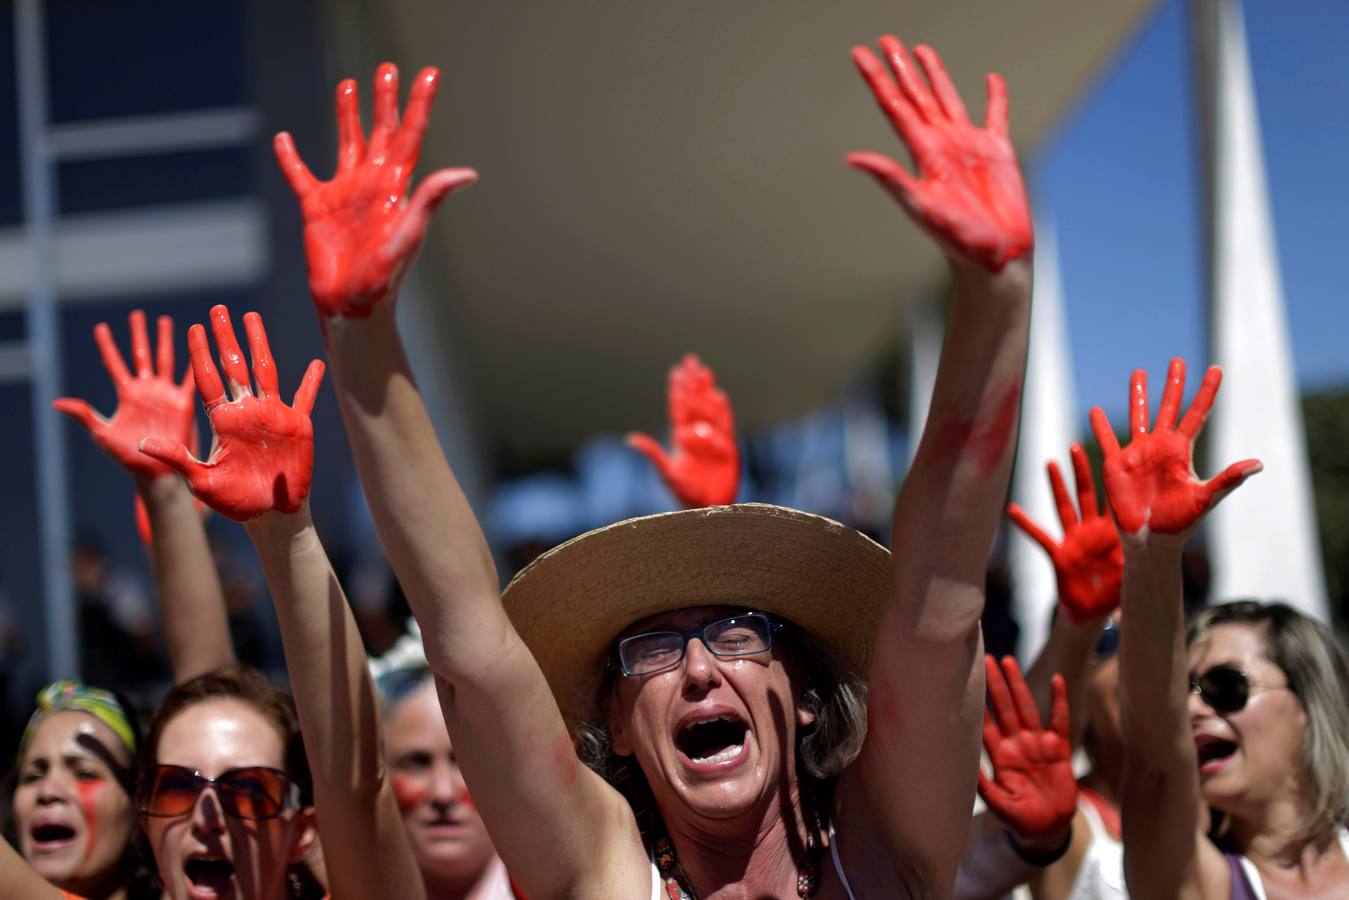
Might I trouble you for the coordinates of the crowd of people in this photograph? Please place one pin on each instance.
(728, 701)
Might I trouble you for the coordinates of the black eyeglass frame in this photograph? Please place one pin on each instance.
(1203, 685)
(774, 625)
(290, 799)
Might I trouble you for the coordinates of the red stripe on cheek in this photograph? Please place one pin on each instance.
(89, 791)
(409, 793)
(466, 798)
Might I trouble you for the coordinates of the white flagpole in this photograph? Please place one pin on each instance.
(1047, 428)
(1262, 539)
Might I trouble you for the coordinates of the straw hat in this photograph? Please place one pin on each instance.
(570, 603)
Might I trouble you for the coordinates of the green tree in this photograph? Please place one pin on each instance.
(1327, 419)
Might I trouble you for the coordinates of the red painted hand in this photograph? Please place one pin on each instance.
(149, 404)
(360, 233)
(1032, 792)
(969, 195)
(1151, 483)
(263, 455)
(1089, 561)
(705, 467)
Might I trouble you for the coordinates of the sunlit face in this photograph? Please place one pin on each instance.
(448, 836)
(714, 736)
(73, 817)
(207, 854)
(1253, 756)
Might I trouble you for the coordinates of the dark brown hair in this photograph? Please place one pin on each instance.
(251, 687)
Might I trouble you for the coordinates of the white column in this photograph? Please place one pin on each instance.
(1048, 405)
(1262, 539)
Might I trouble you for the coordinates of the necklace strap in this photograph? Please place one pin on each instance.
(676, 880)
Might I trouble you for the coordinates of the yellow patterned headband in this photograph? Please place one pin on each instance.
(75, 695)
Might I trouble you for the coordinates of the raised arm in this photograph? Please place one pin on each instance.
(1088, 566)
(260, 473)
(152, 403)
(508, 735)
(19, 879)
(926, 679)
(1158, 502)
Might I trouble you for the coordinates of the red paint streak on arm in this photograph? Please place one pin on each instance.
(987, 440)
(991, 441)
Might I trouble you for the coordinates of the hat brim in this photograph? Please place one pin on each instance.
(570, 603)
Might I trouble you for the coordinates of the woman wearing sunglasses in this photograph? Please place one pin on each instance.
(222, 815)
(1245, 717)
(224, 791)
(688, 646)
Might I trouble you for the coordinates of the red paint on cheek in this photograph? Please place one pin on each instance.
(466, 798)
(409, 793)
(89, 791)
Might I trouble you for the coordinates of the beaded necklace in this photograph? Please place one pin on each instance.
(676, 880)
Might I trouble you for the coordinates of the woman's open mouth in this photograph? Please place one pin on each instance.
(1213, 753)
(51, 837)
(713, 742)
(208, 876)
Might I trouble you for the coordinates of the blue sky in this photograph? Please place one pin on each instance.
(1120, 177)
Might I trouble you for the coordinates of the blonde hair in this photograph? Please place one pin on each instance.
(1314, 662)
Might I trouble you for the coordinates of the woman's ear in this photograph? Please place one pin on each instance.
(306, 839)
(805, 710)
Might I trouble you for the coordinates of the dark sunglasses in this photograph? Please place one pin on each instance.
(254, 792)
(1226, 689)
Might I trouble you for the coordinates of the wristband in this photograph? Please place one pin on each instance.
(1039, 858)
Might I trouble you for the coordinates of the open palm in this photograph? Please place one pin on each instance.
(969, 194)
(263, 455)
(359, 230)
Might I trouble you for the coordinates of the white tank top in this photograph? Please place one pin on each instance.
(1101, 875)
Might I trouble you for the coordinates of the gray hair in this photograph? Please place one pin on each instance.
(835, 694)
(1317, 669)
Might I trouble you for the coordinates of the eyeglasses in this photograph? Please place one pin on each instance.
(254, 792)
(1227, 689)
(656, 651)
